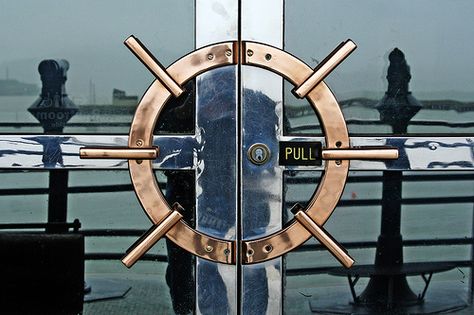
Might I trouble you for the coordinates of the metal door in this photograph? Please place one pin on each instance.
(243, 146)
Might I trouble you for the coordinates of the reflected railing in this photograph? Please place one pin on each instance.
(291, 181)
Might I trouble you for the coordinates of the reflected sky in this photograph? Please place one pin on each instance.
(90, 35)
(434, 35)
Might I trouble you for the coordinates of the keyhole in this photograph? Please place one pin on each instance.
(259, 155)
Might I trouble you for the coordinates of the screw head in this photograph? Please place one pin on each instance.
(433, 146)
(250, 52)
(210, 57)
(139, 142)
(228, 53)
(209, 248)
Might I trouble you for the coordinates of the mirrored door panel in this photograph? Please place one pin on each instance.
(236, 157)
(102, 82)
(420, 46)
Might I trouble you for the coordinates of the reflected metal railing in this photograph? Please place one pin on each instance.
(17, 126)
(368, 244)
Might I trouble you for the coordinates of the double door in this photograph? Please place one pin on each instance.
(254, 147)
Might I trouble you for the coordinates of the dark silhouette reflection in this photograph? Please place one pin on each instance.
(398, 106)
(53, 108)
(178, 117)
(216, 198)
(214, 189)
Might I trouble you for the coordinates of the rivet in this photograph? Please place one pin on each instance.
(209, 248)
(250, 252)
(226, 252)
(210, 57)
(338, 162)
(267, 248)
(268, 57)
(228, 53)
(250, 52)
(433, 146)
(139, 143)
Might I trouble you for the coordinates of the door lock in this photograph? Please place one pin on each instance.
(259, 154)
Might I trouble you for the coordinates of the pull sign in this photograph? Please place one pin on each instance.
(300, 153)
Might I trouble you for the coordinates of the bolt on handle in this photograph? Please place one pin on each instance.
(339, 252)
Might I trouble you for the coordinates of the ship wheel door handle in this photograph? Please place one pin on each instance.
(144, 150)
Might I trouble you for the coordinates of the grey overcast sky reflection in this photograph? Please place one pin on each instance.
(435, 36)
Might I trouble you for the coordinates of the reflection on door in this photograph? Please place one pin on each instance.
(407, 222)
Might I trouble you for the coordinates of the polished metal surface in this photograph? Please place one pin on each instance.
(42, 152)
(261, 185)
(153, 235)
(216, 172)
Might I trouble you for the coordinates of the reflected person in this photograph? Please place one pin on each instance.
(217, 123)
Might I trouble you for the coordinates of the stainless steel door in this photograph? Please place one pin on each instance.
(244, 138)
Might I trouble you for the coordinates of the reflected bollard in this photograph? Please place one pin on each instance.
(397, 108)
(53, 109)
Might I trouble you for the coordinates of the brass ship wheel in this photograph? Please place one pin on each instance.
(337, 152)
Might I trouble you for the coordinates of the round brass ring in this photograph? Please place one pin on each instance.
(322, 203)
